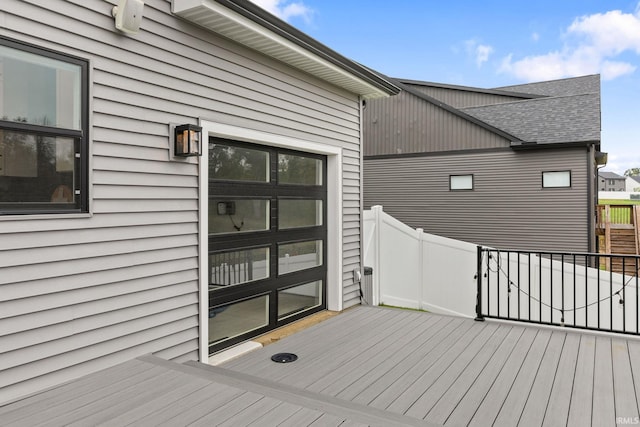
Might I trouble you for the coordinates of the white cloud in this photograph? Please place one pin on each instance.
(592, 44)
(480, 52)
(285, 9)
(535, 37)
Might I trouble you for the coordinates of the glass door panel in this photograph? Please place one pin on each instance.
(299, 256)
(267, 239)
(296, 213)
(299, 298)
(238, 215)
(232, 320)
(238, 267)
(233, 163)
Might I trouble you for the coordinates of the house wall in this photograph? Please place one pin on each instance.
(607, 184)
(80, 293)
(463, 98)
(407, 124)
(507, 209)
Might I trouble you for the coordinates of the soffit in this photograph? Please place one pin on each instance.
(228, 23)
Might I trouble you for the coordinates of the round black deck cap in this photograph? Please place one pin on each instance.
(284, 357)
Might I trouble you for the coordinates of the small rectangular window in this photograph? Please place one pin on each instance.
(43, 131)
(556, 179)
(460, 182)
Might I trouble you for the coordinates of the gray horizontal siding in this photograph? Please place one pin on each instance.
(81, 294)
(407, 124)
(508, 207)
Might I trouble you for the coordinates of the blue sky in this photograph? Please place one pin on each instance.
(493, 43)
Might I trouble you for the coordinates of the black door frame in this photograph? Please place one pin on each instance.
(272, 191)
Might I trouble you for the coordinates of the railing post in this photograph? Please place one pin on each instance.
(479, 316)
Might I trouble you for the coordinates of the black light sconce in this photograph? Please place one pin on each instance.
(188, 141)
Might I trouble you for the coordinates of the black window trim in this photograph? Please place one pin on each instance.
(556, 186)
(82, 135)
(473, 182)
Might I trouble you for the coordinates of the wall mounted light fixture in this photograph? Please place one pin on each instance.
(128, 15)
(187, 140)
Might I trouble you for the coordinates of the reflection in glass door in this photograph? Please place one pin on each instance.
(267, 239)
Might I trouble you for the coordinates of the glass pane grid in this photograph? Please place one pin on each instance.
(238, 267)
(227, 162)
(297, 213)
(229, 321)
(238, 215)
(299, 256)
(299, 170)
(297, 299)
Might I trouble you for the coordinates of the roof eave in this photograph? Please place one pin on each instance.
(532, 145)
(250, 25)
(499, 92)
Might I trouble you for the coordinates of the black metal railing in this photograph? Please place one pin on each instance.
(578, 290)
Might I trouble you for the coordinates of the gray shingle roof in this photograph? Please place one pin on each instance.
(610, 175)
(562, 87)
(549, 120)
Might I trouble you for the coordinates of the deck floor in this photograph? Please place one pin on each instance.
(458, 372)
(369, 366)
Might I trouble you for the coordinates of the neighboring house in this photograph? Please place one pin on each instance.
(111, 245)
(632, 184)
(512, 167)
(611, 181)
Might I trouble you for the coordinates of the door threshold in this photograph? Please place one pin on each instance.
(293, 327)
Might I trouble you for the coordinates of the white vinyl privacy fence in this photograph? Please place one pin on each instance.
(414, 269)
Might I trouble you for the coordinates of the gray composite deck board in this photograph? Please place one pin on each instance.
(538, 398)
(626, 400)
(603, 412)
(557, 412)
(403, 357)
(368, 366)
(325, 359)
(386, 348)
(580, 411)
(311, 342)
(389, 394)
(388, 377)
(454, 371)
(511, 410)
(304, 398)
(484, 365)
(465, 368)
(634, 359)
(488, 410)
(413, 399)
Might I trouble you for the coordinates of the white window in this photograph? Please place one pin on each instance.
(460, 182)
(556, 179)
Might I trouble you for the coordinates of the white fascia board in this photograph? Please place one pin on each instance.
(217, 18)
